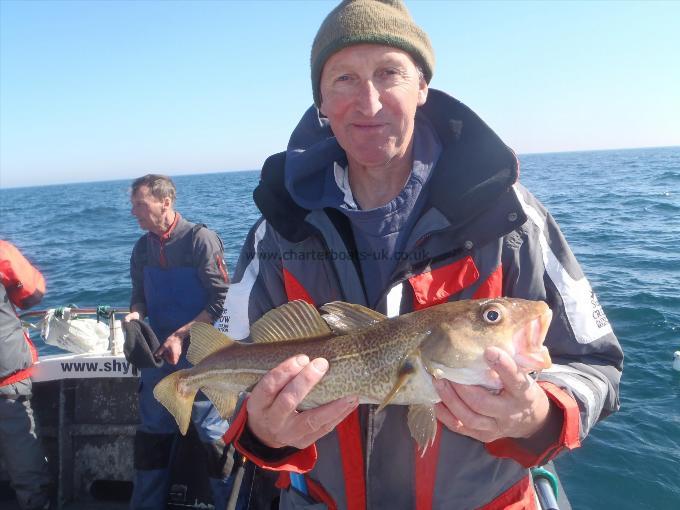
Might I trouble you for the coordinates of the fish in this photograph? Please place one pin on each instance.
(381, 360)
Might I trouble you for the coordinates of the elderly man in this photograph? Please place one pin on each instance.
(398, 197)
(178, 278)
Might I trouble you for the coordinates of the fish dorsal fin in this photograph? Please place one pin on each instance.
(296, 320)
(205, 340)
(344, 318)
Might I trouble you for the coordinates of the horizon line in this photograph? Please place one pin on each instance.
(21, 186)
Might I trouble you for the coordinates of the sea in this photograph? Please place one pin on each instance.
(619, 210)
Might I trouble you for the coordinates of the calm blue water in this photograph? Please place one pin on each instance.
(620, 211)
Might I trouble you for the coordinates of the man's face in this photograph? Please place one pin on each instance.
(148, 210)
(370, 94)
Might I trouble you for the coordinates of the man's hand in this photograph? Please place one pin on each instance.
(132, 316)
(520, 410)
(272, 414)
(171, 349)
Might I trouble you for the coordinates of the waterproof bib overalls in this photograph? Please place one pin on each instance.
(174, 296)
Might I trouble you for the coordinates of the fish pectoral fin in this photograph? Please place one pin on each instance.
(296, 320)
(344, 318)
(406, 371)
(224, 402)
(205, 340)
(422, 423)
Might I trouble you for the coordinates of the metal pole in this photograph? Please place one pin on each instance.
(546, 496)
(114, 331)
(238, 480)
(546, 486)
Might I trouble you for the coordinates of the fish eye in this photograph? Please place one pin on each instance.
(492, 315)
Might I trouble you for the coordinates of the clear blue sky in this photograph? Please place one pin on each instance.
(97, 90)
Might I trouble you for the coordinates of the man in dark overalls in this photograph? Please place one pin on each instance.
(178, 278)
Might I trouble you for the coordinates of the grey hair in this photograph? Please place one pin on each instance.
(421, 74)
(160, 186)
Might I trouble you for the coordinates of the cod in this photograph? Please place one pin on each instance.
(381, 360)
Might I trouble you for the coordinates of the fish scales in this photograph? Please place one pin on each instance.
(364, 363)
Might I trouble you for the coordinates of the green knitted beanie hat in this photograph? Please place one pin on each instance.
(385, 22)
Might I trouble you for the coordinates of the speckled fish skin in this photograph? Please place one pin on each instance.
(449, 340)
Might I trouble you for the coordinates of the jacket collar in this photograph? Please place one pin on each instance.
(475, 167)
(176, 227)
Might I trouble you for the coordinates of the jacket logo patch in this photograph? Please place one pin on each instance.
(599, 317)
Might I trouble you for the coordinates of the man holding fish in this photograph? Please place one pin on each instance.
(398, 199)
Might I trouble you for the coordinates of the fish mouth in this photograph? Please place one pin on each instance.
(530, 353)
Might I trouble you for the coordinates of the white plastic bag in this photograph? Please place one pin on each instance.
(78, 335)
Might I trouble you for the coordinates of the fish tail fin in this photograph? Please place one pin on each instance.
(177, 398)
(205, 340)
